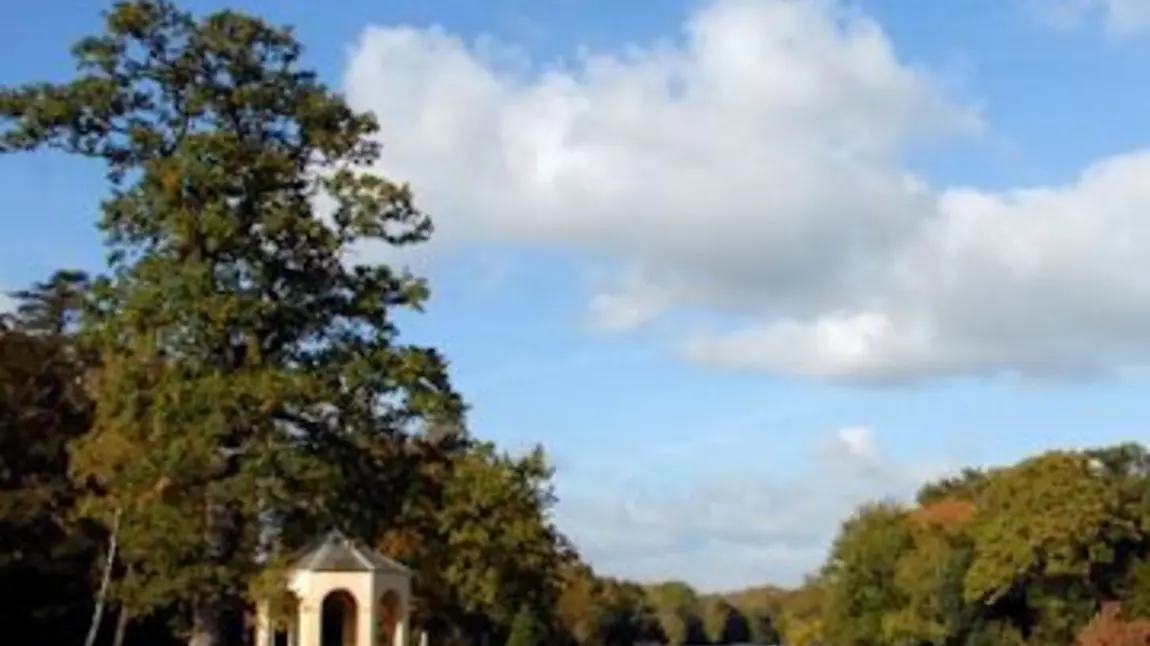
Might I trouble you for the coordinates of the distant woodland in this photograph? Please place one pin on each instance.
(176, 423)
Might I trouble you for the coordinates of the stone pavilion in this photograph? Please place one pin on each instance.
(341, 593)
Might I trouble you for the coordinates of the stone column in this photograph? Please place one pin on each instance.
(265, 636)
(368, 625)
(310, 630)
(400, 636)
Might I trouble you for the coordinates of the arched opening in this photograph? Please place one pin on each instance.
(388, 615)
(338, 619)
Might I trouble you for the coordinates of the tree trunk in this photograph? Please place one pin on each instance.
(207, 625)
(214, 614)
(105, 582)
(121, 626)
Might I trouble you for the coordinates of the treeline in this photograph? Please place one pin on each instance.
(599, 610)
(1052, 551)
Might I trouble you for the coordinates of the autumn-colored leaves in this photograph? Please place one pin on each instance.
(1110, 627)
(1022, 554)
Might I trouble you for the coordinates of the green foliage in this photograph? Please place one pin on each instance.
(676, 595)
(723, 623)
(675, 626)
(1025, 554)
(52, 308)
(967, 485)
(476, 526)
(861, 573)
(49, 555)
(623, 615)
(525, 630)
(45, 553)
(1049, 517)
(491, 517)
(761, 629)
(1135, 589)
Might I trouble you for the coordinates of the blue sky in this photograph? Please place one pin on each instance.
(738, 264)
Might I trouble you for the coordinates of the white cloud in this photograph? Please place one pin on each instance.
(737, 529)
(1128, 17)
(632, 303)
(7, 302)
(857, 442)
(756, 171)
(1121, 18)
(1040, 281)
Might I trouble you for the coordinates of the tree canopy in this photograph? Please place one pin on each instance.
(1048, 551)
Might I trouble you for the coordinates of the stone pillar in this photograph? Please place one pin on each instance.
(265, 636)
(400, 636)
(310, 629)
(368, 625)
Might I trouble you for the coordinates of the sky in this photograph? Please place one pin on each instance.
(740, 265)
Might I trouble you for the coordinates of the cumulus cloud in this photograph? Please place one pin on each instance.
(736, 529)
(754, 169)
(1040, 281)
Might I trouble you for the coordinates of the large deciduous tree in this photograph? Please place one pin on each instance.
(1055, 516)
(476, 526)
(250, 369)
(1051, 531)
(860, 574)
(929, 576)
